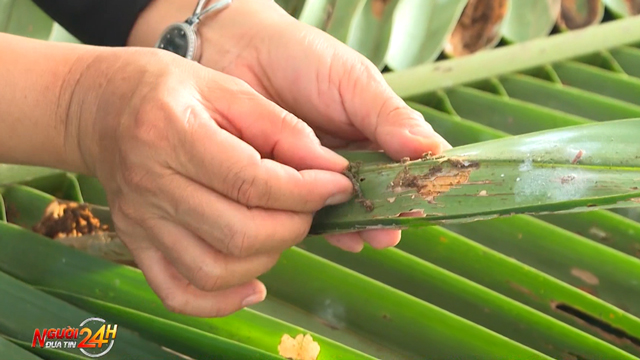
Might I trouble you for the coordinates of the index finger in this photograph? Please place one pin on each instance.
(224, 163)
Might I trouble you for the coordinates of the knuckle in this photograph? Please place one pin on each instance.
(237, 242)
(157, 114)
(206, 278)
(246, 187)
(297, 126)
(240, 87)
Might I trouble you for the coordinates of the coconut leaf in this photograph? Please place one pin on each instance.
(573, 168)
(423, 79)
(528, 20)
(568, 99)
(186, 340)
(317, 13)
(478, 28)
(371, 29)
(24, 18)
(518, 313)
(10, 174)
(60, 34)
(577, 14)
(407, 316)
(623, 8)
(12, 351)
(342, 17)
(24, 309)
(420, 30)
(293, 7)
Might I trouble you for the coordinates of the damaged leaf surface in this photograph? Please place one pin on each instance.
(575, 168)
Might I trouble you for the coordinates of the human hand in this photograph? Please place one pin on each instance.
(334, 89)
(208, 181)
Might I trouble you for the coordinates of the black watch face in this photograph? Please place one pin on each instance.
(177, 39)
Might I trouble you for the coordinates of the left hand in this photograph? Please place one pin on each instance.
(333, 88)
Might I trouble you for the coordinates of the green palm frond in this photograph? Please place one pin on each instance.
(563, 286)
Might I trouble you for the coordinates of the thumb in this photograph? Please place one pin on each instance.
(399, 130)
(403, 132)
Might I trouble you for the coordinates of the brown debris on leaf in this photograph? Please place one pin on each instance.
(301, 348)
(68, 219)
(436, 181)
(478, 27)
(585, 276)
(328, 15)
(633, 6)
(378, 7)
(573, 15)
(577, 157)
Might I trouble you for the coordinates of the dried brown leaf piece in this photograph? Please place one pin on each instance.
(478, 27)
(577, 14)
(378, 7)
(63, 219)
(436, 181)
(301, 348)
(633, 6)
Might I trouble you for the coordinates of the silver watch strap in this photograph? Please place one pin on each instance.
(198, 12)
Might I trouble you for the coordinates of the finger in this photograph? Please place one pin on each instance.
(202, 265)
(179, 296)
(271, 130)
(230, 227)
(344, 93)
(233, 168)
(384, 117)
(351, 242)
(380, 239)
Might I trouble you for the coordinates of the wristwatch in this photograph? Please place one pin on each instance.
(182, 38)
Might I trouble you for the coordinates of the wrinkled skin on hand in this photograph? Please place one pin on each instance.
(207, 180)
(334, 89)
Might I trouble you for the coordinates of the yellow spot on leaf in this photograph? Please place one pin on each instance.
(301, 348)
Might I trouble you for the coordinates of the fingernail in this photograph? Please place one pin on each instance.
(428, 133)
(445, 143)
(335, 157)
(338, 198)
(253, 299)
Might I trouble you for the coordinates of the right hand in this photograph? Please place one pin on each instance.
(208, 181)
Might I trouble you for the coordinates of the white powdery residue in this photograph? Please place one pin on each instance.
(548, 184)
(333, 313)
(526, 166)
